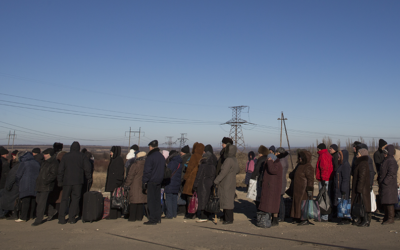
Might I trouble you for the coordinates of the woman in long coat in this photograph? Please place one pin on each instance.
(303, 185)
(271, 188)
(115, 177)
(191, 172)
(205, 180)
(134, 180)
(342, 181)
(173, 184)
(226, 181)
(361, 186)
(388, 184)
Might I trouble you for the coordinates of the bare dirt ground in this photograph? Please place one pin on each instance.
(187, 234)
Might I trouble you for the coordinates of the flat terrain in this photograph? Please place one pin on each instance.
(187, 234)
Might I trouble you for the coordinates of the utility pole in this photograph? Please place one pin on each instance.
(169, 142)
(236, 133)
(9, 135)
(281, 119)
(134, 132)
(182, 140)
(13, 137)
(13, 140)
(287, 137)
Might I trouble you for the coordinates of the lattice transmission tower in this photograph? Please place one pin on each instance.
(182, 140)
(236, 133)
(169, 142)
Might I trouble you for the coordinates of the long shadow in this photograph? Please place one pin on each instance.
(144, 241)
(247, 208)
(280, 238)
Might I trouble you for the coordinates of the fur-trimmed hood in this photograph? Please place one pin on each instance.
(263, 150)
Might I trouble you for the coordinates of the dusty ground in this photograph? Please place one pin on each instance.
(187, 234)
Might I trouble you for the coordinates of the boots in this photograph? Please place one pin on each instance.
(385, 211)
(274, 221)
(365, 221)
(390, 215)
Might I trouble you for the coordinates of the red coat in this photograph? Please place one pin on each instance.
(324, 169)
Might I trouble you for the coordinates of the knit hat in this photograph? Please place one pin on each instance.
(363, 152)
(321, 146)
(227, 140)
(135, 147)
(272, 148)
(172, 152)
(382, 143)
(263, 150)
(209, 148)
(49, 151)
(36, 150)
(153, 144)
(362, 145)
(334, 147)
(14, 153)
(57, 147)
(140, 154)
(356, 143)
(280, 150)
(185, 149)
(84, 150)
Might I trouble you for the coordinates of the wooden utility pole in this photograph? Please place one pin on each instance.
(281, 119)
(134, 132)
(287, 137)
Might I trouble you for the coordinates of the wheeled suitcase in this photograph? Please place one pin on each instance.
(92, 206)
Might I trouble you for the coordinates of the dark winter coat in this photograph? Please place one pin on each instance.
(154, 167)
(173, 184)
(56, 195)
(223, 155)
(73, 166)
(115, 171)
(258, 168)
(193, 167)
(285, 168)
(47, 175)
(370, 167)
(361, 182)
(303, 181)
(324, 168)
(226, 180)
(335, 161)
(271, 187)
(185, 164)
(379, 157)
(5, 168)
(342, 178)
(205, 178)
(11, 190)
(27, 174)
(39, 158)
(134, 181)
(388, 178)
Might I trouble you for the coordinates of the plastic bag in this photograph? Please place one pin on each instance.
(344, 208)
(373, 201)
(324, 201)
(252, 192)
(310, 210)
(194, 203)
(263, 220)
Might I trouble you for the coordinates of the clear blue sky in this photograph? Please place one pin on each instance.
(171, 67)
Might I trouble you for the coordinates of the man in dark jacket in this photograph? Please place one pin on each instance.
(45, 183)
(37, 154)
(334, 151)
(73, 167)
(4, 169)
(379, 156)
(153, 175)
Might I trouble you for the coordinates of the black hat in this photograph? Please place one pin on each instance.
(3, 151)
(135, 147)
(49, 151)
(84, 150)
(272, 148)
(209, 148)
(362, 145)
(57, 147)
(36, 150)
(334, 147)
(321, 146)
(356, 143)
(185, 149)
(280, 150)
(227, 140)
(172, 152)
(382, 143)
(15, 152)
(153, 144)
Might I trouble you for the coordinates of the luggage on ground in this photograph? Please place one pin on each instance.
(92, 206)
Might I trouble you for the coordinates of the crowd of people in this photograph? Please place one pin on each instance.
(53, 182)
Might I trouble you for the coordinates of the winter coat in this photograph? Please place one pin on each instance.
(154, 167)
(324, 168)
(303, 181)
(379, 157)
(185, 163)
(11, 190)
(226, 180)
(342, 178)
(250, 163)
(5, 168)
(134, 181)
(56, 195)
(335, 161)
(397, 158)
(173, 184)
(115, 171)
(47, 175)
(223, 155)
(205, 178)
(27, 174)
(193, 167)
(370, 167)
(388, 178)
(361, 182)
(39, 158)
(271, 187)
(258, 168)
(73, 166)
(285, 168)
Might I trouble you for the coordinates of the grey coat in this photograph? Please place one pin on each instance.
(226, 179)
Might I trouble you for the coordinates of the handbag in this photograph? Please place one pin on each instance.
(213, 205)
(358, 209)
(194, 203)
(324, 201)
(119, 199)
(344, 208)
(252, 192)
(310, 209)
(373, 201)
(263, 219)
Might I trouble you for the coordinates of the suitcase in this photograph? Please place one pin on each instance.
(92, 206)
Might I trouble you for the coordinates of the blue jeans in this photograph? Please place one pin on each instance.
(171, 205)
(325, 216)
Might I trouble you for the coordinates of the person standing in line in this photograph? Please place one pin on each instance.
(282, 155)
(71, 171)
(379, 156)
(130, 157)
(249, 168)
(4, 170)
(37, 154)
(334, 151)
(185, 155)
(226, 141)
(342, 182)
(174, 163)
(226, 181)
(55, 195)
(259, 171)
(272, 150)
(324, 171)
(153, 175)
(14, 158)
(45, 183)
